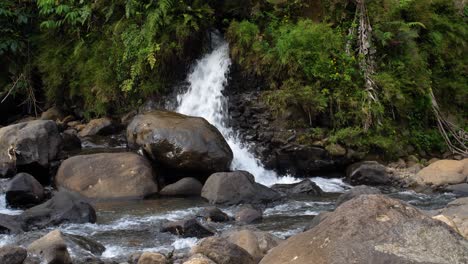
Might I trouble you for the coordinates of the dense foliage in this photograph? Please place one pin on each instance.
(107, 56)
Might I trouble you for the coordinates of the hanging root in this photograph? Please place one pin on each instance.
(455, 137)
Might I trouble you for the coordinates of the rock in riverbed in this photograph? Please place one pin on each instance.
(187, 228)
(457, 212)
(180, 142)
(24, 191)
(63, 207)
(373, 229)
(305, 187)
(107, 175)
(368, 173)
(12, 255)
(444, 172)
(221, 251)
(257, 243)
(51, 248)
(355, 192)
(28, 143)
(185, 187)
(235, 188)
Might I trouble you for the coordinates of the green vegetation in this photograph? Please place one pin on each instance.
(107, 56)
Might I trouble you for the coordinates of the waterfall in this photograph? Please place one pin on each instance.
(204, 98)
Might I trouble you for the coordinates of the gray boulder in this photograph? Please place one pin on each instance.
(213, 214)
(248, 215)
(24, 191)
(180, 142)
(185, 187)
(305, 187)
(29, 143)
(368, 173)
(107, 175)
(99, 126)
(373, 229)
(51, 248)
(187, 228)
(235, 188)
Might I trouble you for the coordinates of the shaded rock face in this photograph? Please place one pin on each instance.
(222, 251)
(257, 243)
(12, 255)
(53, 114)
(199, 259)
(184, 187)
(63, 207)
(107, 175)
(277, 146)
(29, 143)
(51, 248)
(444, 172)
(355, 192)
(180, 142)
(213, 214)
(305, 187)
(187, 228)
(24, 191)
(235, 188)
(373, 229)
(368, 173)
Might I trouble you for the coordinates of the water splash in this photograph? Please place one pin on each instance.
(205, 98)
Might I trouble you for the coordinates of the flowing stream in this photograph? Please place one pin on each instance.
(204, 98)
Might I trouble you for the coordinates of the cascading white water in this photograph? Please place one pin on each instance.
(204, 98)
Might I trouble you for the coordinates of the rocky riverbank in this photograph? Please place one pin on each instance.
(186, 157)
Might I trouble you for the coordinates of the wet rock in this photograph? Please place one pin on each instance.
(336, 150)
(29, 143)
(107, 175)
(63, 207)
(180, 142)
(152, 258)
(373, 229)
(51, 248)
(83, 244)
(305, 187)
(248, 215)
(458, 189)
(70, 141)
(457, 212)
(199, 259)
(184, 187)
(368, 173)
(444, 172)
(213, 214)
(355, 192)
(256, 243)
(24, 191)
(235, 188)
(53, 114)
(99, 126)
(222, 251)
(187, 228)
(12, 255)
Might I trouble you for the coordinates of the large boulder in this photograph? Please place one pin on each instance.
(30, 143)
(107, 175)
(235, 188)
(24, 191)
(180, 142)
(152, 258)
(185, 187)
(257, 243)
(444, 172)
(187, 228)
(373, 229)
(248, 215)
(305, 187)
(355, 192)
(51, 248)
(368, 173)
(222, 251)
(12, 255)
(213, 214)
(63, 207)
(457, 212)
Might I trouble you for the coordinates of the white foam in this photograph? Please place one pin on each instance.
(183, 243)
(287, 233)
(5, 210)
(331, 185)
